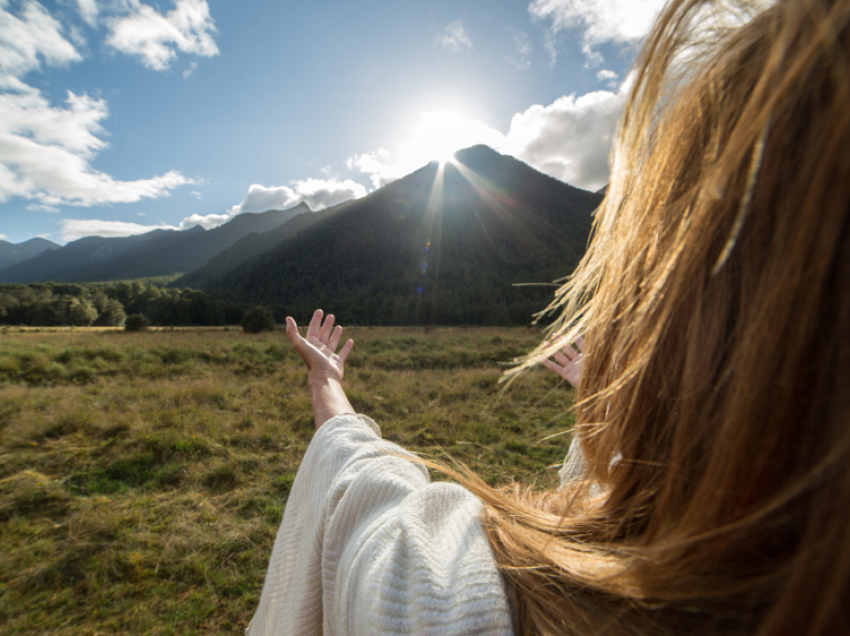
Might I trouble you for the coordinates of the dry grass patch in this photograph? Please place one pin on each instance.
(143, 476)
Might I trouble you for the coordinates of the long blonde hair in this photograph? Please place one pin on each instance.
(715, 301)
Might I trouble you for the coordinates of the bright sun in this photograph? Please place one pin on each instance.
(437, 136)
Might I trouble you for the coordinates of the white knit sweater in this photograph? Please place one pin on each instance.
(368, 545)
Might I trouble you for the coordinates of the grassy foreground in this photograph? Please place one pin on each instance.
(143, 476)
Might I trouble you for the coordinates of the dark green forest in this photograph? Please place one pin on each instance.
(108, 305)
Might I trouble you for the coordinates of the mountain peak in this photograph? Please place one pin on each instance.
(477, 151)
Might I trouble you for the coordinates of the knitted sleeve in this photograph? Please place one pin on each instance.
(368, 546)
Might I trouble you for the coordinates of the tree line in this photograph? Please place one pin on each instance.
(108, 305)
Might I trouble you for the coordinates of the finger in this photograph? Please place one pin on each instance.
(546, 362)
(291, 327)
(315, 323)
(560, 357)
(346, 349)
(334, 341)
(297, 341)
(570, 352)
(580, 343)
(327, 326)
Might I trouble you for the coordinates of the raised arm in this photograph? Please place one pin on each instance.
(325, 367)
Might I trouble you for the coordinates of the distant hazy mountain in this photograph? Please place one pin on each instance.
(440, 246)
(156, 253)
(14, 253)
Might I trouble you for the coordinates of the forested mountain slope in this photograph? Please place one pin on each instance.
(156, 253)
(14, 253)
(250, 247)
(440, 246)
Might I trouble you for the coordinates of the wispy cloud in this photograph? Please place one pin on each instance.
(599, 21)
(26, 39)
(3, 237)
(520, 57)
(192, 66)
(155, 37)
(40, 207)
(88, 11)
(455, 39)
(46, 150)
(73, 229)
(197, 195)
(609, 77)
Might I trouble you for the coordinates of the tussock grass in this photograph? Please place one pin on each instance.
(143, 476)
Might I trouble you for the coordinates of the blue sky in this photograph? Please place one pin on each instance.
(119, 116)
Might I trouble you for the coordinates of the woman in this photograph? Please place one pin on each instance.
(713, 421)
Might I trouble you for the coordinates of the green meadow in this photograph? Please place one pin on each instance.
(143, 476)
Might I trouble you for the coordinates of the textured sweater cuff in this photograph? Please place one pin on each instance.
(348, 420)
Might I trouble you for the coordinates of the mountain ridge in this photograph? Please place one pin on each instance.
(397, 256)
(14, 253)
(155, 253)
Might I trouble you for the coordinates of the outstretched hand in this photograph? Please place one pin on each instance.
(318, 349)
(567, 362)
(325, 366)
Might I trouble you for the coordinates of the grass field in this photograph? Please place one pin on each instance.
(143, 476)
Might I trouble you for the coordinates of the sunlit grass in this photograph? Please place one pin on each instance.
(143, 476)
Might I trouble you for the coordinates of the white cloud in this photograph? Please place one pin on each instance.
(606, 75)
(73, 229)
(40, 207)
(379, 165)
(45, 154)
(154, 37)
(521, 56)
(316, 193)
(455, 39)
(197, 195)
(600, 21)
(571, 138)
(88, 11)
(46, 150)
(28, 38)
(3, 237)
(208, 221)
(190, 70)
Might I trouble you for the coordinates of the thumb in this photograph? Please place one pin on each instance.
(292, 330)
(301, 345)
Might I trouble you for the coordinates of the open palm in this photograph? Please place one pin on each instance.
(318, 349)
(567, 362)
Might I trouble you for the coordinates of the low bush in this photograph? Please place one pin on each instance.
(137, 322)
(257, 320)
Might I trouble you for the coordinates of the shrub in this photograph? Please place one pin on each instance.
(257, 320)
(137, 322)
